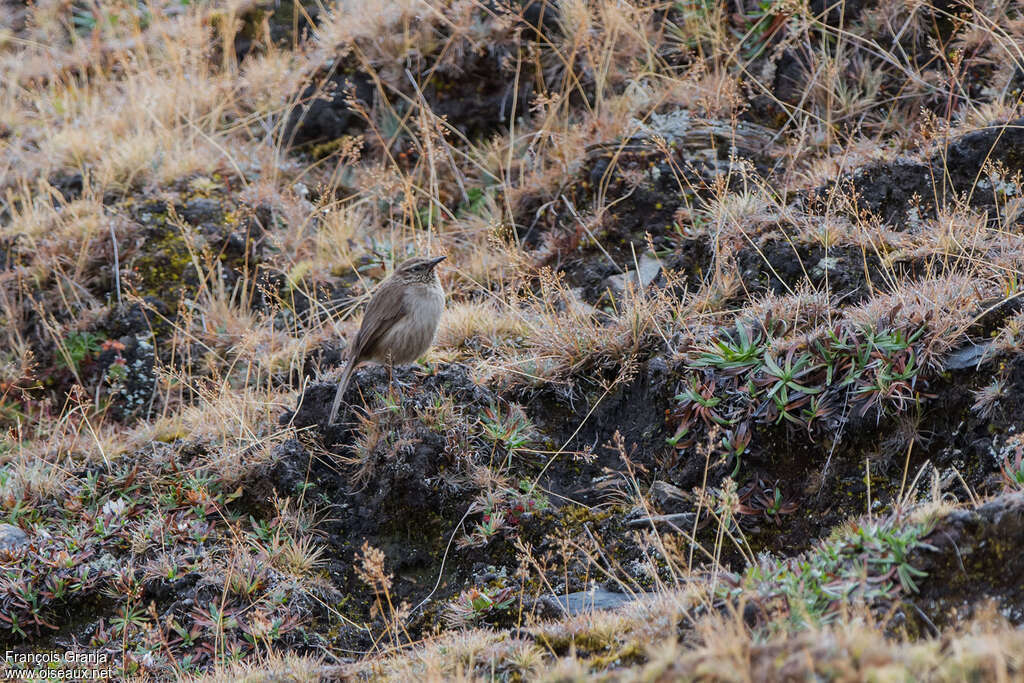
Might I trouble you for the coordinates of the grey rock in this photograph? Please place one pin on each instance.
(967, 356)
(665, 493)
(681, 520)
(589, 601)
(575, 304)
(648, 269)
(681, 127)
(12, 537)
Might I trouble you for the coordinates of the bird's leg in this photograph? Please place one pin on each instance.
(394, 381)
(395, 388)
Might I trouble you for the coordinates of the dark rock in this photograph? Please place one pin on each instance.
(665, 494)
(70, 185)
(178, 590)
(636, 411)
(8, 252)
(899, 190)
(282, 23)
(454, 379)
(648, 270)
(640, 180)
(782, 265)
(971, 557)
(477, 94)
(129, 319)
(202, 211)
(539, 15)
(129, 371)
(837, 15)
(323, 111)
(481, 95)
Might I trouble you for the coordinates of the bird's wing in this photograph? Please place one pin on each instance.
(385, 308)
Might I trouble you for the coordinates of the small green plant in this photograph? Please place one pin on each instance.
(128, 616)
(488, 527)
(263, 529)
(439, 414)
(735, 443)
(83, 20)
(526, 500)
(476, 198)
(117, 371)
(761, 499)
(474, 604)
(35, 585)
(738, 380)
(187, 637)
(818, 408)
(1013, 469)
(76, 347)
(507, 427)
(765, 20)
(734, 354)
(503, 511)
(10, 413)
(782, 377)
(700, 401)
(247, 577)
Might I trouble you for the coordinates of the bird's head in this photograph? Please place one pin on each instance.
(419, 269)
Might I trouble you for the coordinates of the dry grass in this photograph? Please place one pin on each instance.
(720, 650)
(120, 122)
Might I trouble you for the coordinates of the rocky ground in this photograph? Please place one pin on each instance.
(728, 387)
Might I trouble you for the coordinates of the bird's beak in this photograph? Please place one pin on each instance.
(434, 262)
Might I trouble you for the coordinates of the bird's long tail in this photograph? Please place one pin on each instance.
(342, 385)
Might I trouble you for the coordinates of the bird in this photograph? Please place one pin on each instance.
(399, 322)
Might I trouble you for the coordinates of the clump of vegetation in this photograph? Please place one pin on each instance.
(476, 604)
(815, 381)
(502, 510)
(78, 347)
(508, 428)
(1012, 466)
(866, 563)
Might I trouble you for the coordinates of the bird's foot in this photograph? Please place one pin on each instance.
(396, 391)
(400, 385)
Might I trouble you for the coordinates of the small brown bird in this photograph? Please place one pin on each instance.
(400, 320)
